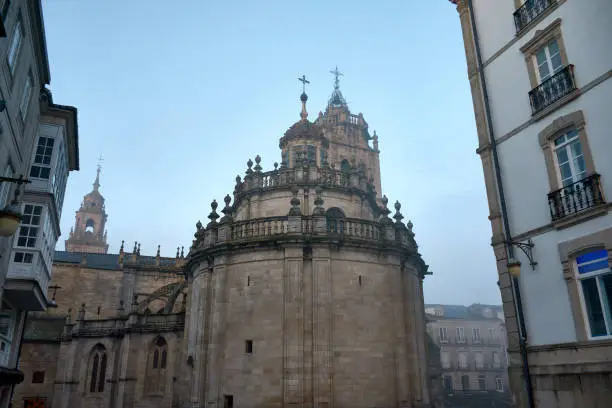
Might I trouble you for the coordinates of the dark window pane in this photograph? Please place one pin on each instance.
(94, 373)
(155, 358)
(102, 373)
(593, 306)
(163, 359)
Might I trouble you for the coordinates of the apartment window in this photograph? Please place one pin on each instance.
(496, 360)
(481, 382)
(26, 96)
(5, 188)
(7, 325)
(248, 346)
(23, 257)
(570, 160)
(38, 377)
(29, 226)
(15, 46)
(548, 60)
(443, 335)
(448, 384)
(479, 357)
(59, 179)
(463, 360)
(460, 335)
(492, 335)
(476, 335)
(499, 384)
(596, 287)
(465, 382)
(228, 401)
(42, 158)
(445, 359)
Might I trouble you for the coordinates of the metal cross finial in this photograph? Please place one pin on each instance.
(337, 74)
(100, 160)
(304, 81)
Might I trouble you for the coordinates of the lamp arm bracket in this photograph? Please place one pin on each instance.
(527, 249)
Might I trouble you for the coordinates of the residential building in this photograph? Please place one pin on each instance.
(303, 292)
(540, 74)
(473, 360)
(38, 140)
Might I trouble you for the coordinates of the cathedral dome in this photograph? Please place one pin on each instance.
(303, 130)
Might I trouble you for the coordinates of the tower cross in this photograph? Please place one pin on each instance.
(304, 81)
(100, 160)
(337, 75)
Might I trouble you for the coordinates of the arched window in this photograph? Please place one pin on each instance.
(345, 166)
(89, 225)
(335, 220)
(156, 366)
(97, 369)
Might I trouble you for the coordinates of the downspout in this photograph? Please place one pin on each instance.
(23, 329)
(504, 214)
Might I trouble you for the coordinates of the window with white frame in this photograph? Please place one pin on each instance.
(15, 46)
(443, 335)
(548, 60)
(492, 335)
(496, 360)
(30, 223)
(5, 188)
(48, 242)
(41, 168)
(8, 318)
(26, 96)
(570, 160)
(499, 384)
(445, 359)
(59, 179)
(460, 335)
(479, 357)
(595, 279)
(463, 360)
(476, 335)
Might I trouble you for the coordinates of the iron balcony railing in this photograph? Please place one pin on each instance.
(529, 11)
(576, 197)
(552, 89)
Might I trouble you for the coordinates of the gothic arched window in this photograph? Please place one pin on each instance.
(89, 225)
(97, 368)
(335, 220)
(345, 166)
(156, 366)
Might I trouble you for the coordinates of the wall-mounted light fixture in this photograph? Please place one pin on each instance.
(514, 266)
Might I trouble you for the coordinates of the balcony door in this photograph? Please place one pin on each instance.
(548, 61)
(576, 195)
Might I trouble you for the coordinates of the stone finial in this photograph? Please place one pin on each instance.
(257, 167)
(135, 247)
(409, 225)
(318, 202)
(81, 314)
(213, 216)
(227, 210)
(275, 166)
(198, 225)
(138, 252)
(121, 249)
(398, 215)
(177, 252)
(158, 250)
(385, 210)
(182, 252)
(295, 203)
(238, 180)
(249, 171)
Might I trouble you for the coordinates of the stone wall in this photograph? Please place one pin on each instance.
(37, 356)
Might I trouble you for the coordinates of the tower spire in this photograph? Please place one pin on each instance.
(96, 183)
(336, 99)
(304, 97)
(337, 75)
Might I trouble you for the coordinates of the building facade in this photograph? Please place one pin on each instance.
(302, 292)
(473, 358)
(38, 140)
(540, 78)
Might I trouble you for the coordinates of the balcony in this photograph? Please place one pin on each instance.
(26, 284)
(552, 89)
(576, 198)
(529, 11)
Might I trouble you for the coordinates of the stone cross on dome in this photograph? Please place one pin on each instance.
(337, 75)
(97, 182)
(304, 97)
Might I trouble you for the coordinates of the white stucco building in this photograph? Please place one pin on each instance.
(540, 73)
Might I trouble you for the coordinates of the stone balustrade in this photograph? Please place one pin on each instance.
(141, 323)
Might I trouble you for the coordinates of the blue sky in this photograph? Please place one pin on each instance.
(177, 99)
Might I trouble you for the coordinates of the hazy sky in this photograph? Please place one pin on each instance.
(177, 96)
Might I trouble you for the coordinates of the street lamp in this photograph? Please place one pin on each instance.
(514, 266)
(10, 216)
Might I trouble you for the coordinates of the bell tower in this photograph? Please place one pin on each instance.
(89, 234)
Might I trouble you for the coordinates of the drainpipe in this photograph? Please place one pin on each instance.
(504, 214)
(25, 321)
